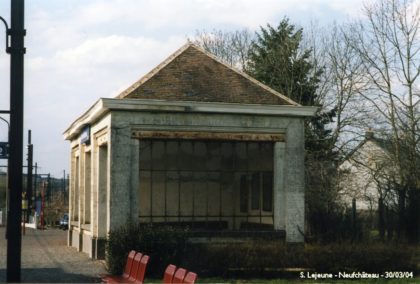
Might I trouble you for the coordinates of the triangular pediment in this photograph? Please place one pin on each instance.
(192, 74)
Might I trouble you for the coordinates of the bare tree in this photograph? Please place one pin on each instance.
(343, 80)
(230, 47)
(388, 44)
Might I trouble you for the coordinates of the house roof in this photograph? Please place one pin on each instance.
(193, 74)
(192, 80)
(385, 145)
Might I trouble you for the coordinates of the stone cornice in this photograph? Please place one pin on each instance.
(104, 105)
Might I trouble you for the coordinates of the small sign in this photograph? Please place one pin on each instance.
(4, 150)
(85, 135)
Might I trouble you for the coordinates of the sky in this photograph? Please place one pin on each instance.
(81, 50)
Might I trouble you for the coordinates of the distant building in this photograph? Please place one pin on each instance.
(192, 142)
(366, 172)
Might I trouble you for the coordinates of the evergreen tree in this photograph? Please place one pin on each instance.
(277, 59)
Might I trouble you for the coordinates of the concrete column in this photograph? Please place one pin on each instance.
(82, 166)
(135, 186)
(103, 199)
(100, 201)
(95, 188)
(120, 176)
(73, 186)
(279, 186)
(71, 196)
(77, 191)
(87, 196)
(77, 241)
(295, 181)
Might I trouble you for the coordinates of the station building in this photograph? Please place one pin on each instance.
(194, 142)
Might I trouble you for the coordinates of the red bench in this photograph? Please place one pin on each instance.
(127, 270)
(169, 273)
(134, 270)
(142, 270)
(190, 278)
(180, 275)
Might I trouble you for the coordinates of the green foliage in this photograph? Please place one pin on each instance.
(277, 60)
(251, 259)
(368, 257)
(271, 259)
(164, 245)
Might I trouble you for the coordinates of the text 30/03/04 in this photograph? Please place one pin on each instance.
(398, 274)
(357, 275)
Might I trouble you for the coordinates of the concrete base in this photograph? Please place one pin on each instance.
(76, 239)
(84, 242)
(87, 244)
(98, 246)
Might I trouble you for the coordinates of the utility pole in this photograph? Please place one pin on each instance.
(35, 195)
(49, 189)
(17, 51)
(64, 186)
(29, 176)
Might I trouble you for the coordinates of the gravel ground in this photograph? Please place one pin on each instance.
(47, 259)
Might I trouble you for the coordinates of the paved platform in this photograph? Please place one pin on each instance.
(47, 259)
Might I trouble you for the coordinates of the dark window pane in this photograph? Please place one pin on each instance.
(172, 193)
(266, 156)
(213, 156)
(255, 191)
(185, 156)
(145, 155)
(227, 156)
(158, 155)
(254, 158)
(241, 162)
(213, 194)
(158, 193)
(171, 155)
(243, 194)
(186, 193)
(268, 191)
(200, 152)
(200, 193)
(145, 193)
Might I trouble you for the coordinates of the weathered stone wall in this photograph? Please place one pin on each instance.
(113, 173)
(288, 158)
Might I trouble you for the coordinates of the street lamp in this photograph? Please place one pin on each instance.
(7, 33)
(17, 33)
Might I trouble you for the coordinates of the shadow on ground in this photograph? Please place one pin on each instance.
(50, 275)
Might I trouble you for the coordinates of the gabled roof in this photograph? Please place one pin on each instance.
(193, 74)
(383, 144)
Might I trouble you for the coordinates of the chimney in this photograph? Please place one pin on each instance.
(369, 134)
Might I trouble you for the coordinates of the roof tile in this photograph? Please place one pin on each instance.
(192, 74)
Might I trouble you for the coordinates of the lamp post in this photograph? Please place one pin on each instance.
(29, 193)
(16, 50)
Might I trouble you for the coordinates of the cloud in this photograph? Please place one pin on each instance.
(61, 86)
(79, 51)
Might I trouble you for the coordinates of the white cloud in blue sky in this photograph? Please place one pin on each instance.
(79, 51)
